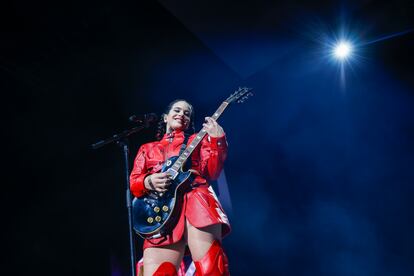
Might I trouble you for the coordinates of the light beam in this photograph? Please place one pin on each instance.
(342, 50)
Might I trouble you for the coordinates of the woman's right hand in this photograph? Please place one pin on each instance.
(158, 182)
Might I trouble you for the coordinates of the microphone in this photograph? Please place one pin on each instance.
(148, 118)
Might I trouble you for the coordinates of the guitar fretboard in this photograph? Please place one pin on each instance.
(190, 148)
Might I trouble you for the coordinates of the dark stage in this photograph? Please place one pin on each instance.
(320, 166)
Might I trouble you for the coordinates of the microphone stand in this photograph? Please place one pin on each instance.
(121, 139)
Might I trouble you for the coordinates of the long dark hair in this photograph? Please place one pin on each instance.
(162, 125)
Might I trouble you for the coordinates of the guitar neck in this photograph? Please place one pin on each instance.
(190, 148)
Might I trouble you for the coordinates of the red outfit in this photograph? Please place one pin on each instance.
(200, 206)
(214, 263)
(165, 269)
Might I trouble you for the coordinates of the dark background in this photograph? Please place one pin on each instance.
(319, 170)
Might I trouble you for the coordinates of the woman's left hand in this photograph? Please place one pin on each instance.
(213, 128)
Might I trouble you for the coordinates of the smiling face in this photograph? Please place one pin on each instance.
(179, 116)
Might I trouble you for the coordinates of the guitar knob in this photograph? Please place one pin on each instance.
(157, 218)
(150, 220)
(156, 209)
(165, 208)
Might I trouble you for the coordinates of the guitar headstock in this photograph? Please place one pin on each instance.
(240, 95)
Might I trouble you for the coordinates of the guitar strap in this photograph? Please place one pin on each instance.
(184, 145)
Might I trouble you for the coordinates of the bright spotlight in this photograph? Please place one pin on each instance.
(342, 50)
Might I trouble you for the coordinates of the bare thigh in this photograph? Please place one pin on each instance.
(155, 256)
(200, 239)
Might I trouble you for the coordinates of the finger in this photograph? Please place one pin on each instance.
(208, 120)
(211, 120)
(156, 180)
(161, 189)
(161, 177)
(162, 182)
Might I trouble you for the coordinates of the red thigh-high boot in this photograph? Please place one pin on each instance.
(214, 263)
(166, 269)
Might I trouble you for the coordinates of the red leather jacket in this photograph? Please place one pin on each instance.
(200, 205)
(207, 159)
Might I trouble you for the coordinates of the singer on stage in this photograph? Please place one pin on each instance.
(202, 222)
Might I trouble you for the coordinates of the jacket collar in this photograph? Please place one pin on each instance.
(173, 134)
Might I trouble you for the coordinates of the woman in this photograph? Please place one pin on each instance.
(202, 222)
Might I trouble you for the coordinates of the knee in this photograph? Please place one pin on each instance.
(214, 262)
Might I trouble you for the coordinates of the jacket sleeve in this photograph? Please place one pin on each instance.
(213, 152)
(138, 174)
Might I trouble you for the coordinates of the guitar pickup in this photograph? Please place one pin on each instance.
(172, 173)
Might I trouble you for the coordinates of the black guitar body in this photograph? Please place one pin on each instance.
(155, 214)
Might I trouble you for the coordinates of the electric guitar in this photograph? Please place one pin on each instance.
(155, 214)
